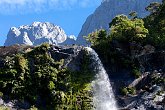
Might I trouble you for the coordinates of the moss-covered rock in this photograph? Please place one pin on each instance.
(46, 83)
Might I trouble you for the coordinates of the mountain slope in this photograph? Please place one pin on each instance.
(107, 11)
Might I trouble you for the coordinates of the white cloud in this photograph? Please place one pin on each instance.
(35, 6)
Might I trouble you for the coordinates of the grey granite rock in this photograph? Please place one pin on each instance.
(108, 9)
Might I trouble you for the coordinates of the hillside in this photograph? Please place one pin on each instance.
(108, 9)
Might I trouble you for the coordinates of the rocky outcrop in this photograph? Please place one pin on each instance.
(108, 9)
(152, 61)
(72, 56)
(150, 94)
(150, 86)
(36, 34)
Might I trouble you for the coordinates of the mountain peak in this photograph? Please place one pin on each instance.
(35, 34)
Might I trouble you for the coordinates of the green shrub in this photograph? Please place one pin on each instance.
(51, 85)
(1, 94)
(131, 90)
(128, 90)
(4, 108)
(158, 80)
(155, 23)
(127, 30)
(124, 91)
(36, 76)
(21, 63)
(96, 37)
(33, 108)
(136, 73)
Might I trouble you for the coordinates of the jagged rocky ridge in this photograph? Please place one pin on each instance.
(108, 9)
(36, 34)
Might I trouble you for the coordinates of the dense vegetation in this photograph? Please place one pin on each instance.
(37, 78)
(120, 48)
(126, 34)
(43, 82)
(155, 23)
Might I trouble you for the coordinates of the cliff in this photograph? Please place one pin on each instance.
(108, 9)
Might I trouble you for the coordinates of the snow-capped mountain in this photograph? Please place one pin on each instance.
(35, 34)
(108, 9)
(70, 40)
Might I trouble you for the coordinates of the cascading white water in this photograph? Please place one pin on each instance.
(103, 97)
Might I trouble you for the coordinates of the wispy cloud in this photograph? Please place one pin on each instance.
(37, 6)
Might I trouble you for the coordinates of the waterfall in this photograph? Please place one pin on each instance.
(103, 97)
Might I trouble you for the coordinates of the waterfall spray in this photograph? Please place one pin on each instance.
(103, 97)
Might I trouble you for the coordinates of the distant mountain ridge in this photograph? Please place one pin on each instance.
(38, 32)
(108, 9)
(35, 34)
(70, 40)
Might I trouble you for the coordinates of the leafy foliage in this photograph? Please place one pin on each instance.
(136, 72)
(127, 30)
(133, 14)
(155, 23)
(127, 37)
(115, 48)
(37, 78)
(153, 7)
(128, 90)
(97, 36)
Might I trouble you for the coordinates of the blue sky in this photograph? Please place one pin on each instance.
(69, 14)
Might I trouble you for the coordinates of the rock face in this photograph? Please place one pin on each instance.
(36, 34)
(70, 40)
(151, 99)
(107, 11)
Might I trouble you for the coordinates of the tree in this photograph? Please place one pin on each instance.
(127, 30)
(133, 14)
(96, 37)
(153, 7)
(155, 23)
